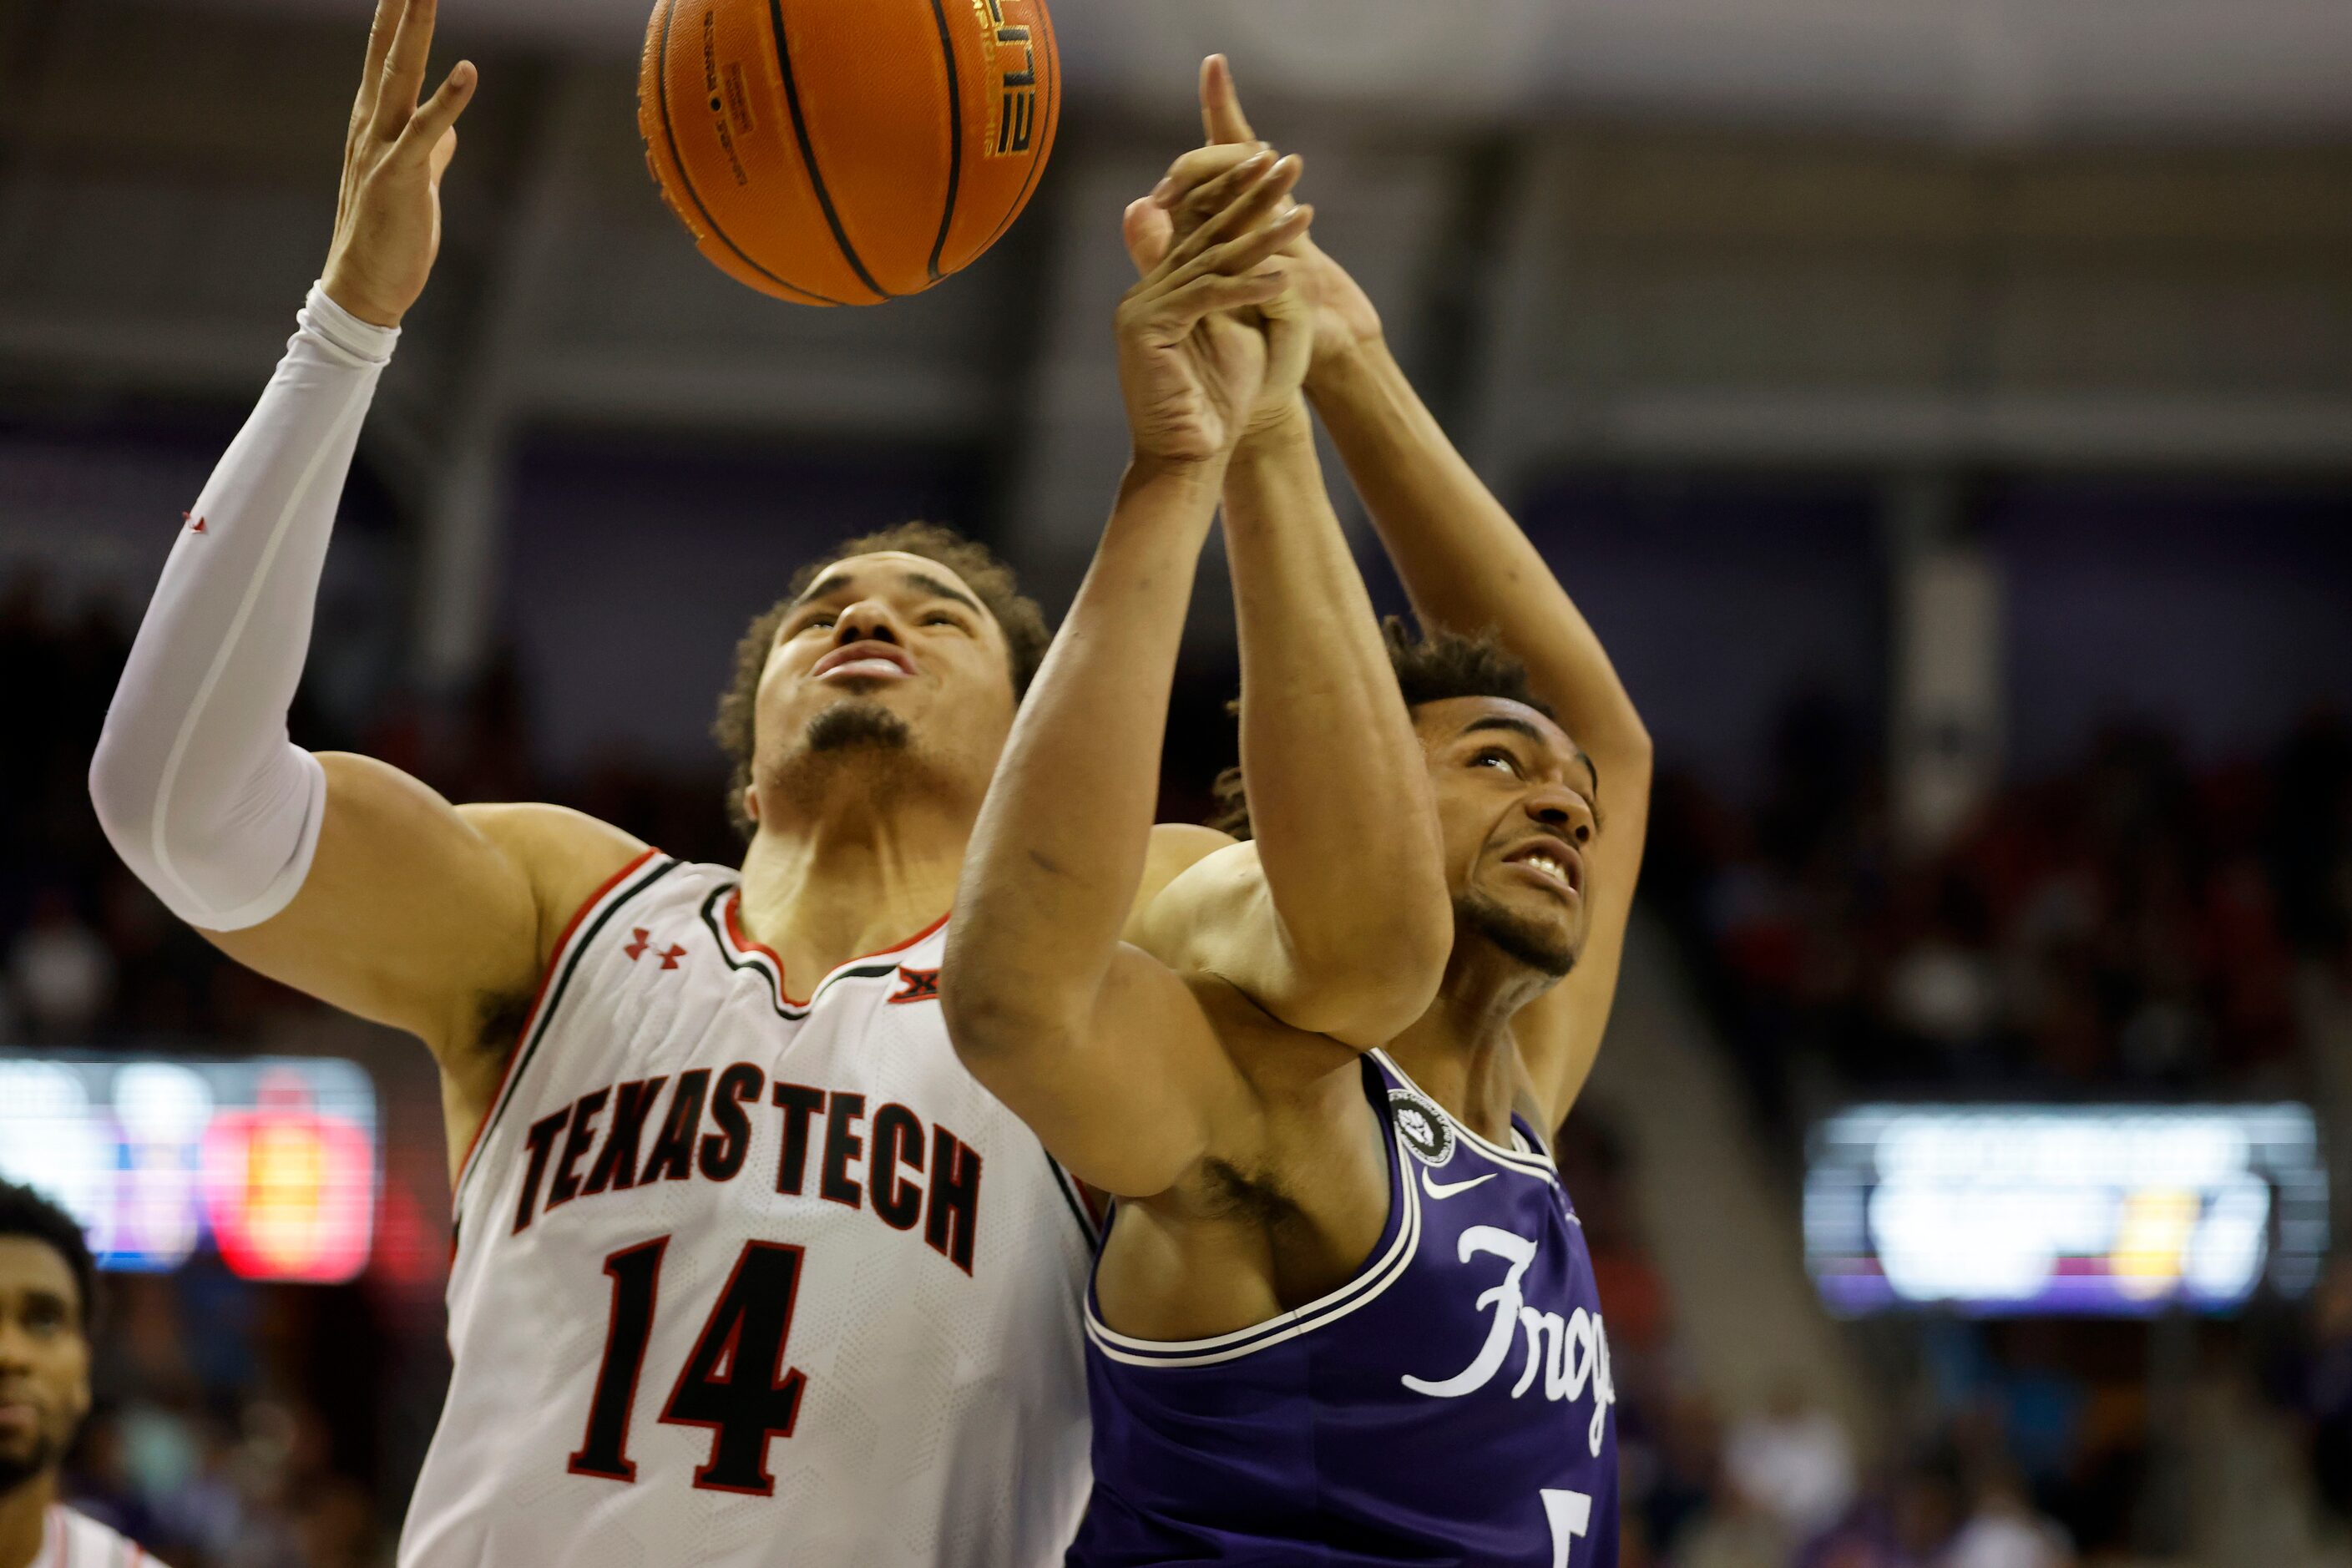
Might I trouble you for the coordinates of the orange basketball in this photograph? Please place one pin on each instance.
(846, 151)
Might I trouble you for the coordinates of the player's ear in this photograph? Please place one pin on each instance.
(751, 804)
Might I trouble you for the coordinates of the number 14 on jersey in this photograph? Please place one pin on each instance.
(734, 1381)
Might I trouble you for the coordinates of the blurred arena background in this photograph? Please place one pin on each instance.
(1942, 408)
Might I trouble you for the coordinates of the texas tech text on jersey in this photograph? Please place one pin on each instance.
(937, 1191)
(723, 1293)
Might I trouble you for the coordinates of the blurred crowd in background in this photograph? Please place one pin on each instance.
(1758, 311)
(2132, 924)
(2132, 927)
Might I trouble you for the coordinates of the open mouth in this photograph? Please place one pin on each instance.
(1550, 862)
(864, 661)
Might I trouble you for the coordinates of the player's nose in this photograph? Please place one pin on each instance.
(1563, 811)
(866, 621)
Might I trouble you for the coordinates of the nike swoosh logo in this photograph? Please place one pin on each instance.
(1447, 1189)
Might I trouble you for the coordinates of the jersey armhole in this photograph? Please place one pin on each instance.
(560, 960)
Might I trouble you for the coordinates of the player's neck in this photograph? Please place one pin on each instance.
(24, 1515)
(822, 893)
(1462, 1051)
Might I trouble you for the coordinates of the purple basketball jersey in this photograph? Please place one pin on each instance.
(1450, 1403)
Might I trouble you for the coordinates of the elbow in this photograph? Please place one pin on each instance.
(978, 1025)
(992, 1019)
(123, 799)
(1362, 1013)
(1379, 976)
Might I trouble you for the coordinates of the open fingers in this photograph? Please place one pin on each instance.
(1206, 202)
(1196, 168)
(1207, 295)
(428, 126)
(1221, 193)
(1247, 252)
(402, 76)
(1259, 192)
(1221, 105)
(378, 45)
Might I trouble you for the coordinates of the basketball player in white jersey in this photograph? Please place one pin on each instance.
(750, 1270)
(48, 1288)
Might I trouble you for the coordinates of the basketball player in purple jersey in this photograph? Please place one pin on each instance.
(1345, 1313)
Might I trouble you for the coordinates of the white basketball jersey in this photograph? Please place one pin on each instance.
(749, 1281)
(71, 1540)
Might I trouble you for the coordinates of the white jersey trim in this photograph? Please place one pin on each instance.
(1367, 1286)
(1524, 1163)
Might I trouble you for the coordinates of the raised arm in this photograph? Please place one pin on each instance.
(1098, 1046)
(341, 876)
(1335, 917)
(1468, 566)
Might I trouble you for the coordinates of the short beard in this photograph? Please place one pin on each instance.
(850, 724)
(1515, 936)
(15, 1472)
(835, 743)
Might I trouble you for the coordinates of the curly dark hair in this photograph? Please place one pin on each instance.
(29, 1213)
(1430, 668)
(1027, 635)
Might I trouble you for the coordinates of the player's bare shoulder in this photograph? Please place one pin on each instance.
(566, 855)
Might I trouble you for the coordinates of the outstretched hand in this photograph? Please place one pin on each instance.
(388, 216)
(1340, 314)
(1202, 339)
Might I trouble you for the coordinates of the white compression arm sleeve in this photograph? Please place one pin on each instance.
(196, 783)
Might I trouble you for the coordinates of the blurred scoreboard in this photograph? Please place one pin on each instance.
(2012, 1211)
(271, 1163)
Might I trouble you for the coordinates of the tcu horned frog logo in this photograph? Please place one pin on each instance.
(1423, 1127)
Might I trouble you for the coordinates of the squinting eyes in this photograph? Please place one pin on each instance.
(823, 623)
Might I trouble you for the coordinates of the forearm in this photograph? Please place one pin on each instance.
(1062, 836)
(1462, 558)
(1338, 790)
(194, 780)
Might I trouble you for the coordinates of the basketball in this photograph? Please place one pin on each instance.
(847, 151)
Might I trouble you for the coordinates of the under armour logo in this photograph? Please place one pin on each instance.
(197, 526)
(922, 985)
(637, 949)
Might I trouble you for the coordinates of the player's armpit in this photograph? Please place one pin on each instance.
(1126, 1092)
(1217, 918)
(426, 916)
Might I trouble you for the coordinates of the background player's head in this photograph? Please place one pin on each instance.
(47, 1289)
(1516, 801)
(894, 661)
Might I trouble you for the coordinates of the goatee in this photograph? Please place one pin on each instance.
(843, 745)
(1537, 946)
(850, 723)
